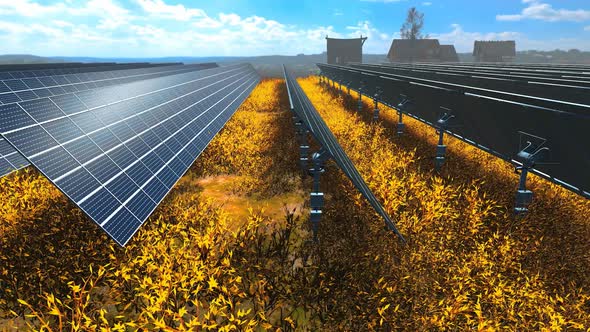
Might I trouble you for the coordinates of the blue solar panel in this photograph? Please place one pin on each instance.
(70, 104)
(33, 83)
(107, 159)
(9, 97)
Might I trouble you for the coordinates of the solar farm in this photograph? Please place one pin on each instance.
(399, 196)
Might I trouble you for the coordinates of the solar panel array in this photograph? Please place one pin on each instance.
(556, 85)
(55, 65)
(52, 86)
(490, 113)
(322, 134)
(24, 71)
(117, 151)
(21, 89)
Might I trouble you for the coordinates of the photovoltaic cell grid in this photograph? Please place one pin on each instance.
(320, 131)
(49, 66)
(11, 160)
(24, 71)
(16, 90)
(117, 151)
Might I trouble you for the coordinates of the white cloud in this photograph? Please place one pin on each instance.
(463, 40)
(176, 12)
(337, 12)
(427, 3)
(28, 8)
(537, 10)
(377, 42)
(105, 28)
(62, 24)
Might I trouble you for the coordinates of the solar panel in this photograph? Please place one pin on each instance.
(27, 71)
(491, 119)
(117, 151)
(118, 77)
(41, 66)
(322, 134)
(15, 90)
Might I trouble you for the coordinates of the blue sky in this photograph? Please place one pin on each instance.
(154, 28)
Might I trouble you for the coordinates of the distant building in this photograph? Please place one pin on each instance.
(448, 53)
(494, 51)
(414, 50)
(342, 51)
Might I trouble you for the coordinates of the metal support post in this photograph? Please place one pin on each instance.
(378, 93)
(360, 102)
(524, 197)
(442, 125)
(317, 197)
(301, 131)
(401, 107)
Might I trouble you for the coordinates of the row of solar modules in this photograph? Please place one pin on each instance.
(15, 90)
(305, 111)
(489, 120)
(540, 76)
(567, 94)
(25, 72)
(521, 75)
(117, 151)
(11, 160)
(51, 65)
(529, 66)
(549, 71)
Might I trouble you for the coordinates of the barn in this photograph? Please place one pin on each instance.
(343, 51)
(448, 53)
(414, 50)
(494, 51)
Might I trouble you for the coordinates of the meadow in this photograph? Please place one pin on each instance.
(230, 248)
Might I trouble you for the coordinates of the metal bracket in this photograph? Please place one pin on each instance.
(441, 125)
(401, 107)
(360, 102)
(302, 131)
(316, 196)
(528, 159)
(376, 96)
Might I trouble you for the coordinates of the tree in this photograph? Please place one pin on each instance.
(412, 27)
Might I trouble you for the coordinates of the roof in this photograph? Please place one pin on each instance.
(448, 53)
(411, 48)
(494, 48)
(348, 41)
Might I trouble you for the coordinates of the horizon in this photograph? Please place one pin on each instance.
(178, 28)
